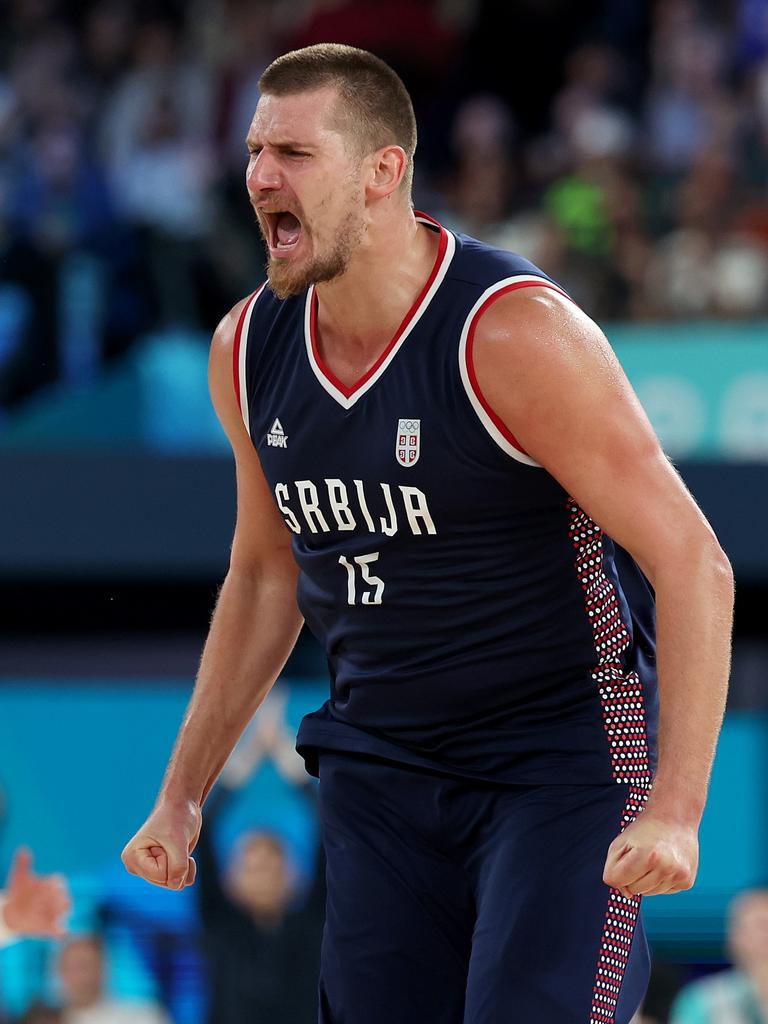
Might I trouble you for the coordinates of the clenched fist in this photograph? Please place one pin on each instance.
(161, 851)
(652, 857)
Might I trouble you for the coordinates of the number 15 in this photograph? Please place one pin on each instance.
(372, 595)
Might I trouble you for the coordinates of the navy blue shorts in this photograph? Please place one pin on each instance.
(453, 902)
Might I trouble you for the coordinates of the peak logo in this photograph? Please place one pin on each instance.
(277, 438)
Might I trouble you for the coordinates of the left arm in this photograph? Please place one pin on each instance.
(550, 375)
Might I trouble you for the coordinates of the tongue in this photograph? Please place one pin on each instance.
(288, 229)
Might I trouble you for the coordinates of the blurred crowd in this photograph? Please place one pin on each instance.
(629, 159)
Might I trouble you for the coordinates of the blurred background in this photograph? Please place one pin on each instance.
(622, 145)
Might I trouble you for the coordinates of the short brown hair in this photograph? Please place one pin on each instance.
(374, 104)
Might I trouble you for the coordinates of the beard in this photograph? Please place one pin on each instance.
(286, 280)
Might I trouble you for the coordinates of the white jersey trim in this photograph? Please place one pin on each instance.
(338, 396)
(503, 443)
(242, 353)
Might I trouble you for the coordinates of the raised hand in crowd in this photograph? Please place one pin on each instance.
(33, 905)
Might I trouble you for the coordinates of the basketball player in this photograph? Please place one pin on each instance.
(439, 448)
(32, 905)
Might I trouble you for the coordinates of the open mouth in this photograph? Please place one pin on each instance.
(283, 230)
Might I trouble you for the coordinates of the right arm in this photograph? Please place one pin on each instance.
(253, 630)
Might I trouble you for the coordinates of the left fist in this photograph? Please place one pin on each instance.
(652, 857)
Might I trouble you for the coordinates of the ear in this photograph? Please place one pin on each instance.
(387, 170)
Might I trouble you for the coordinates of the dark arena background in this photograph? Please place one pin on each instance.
(622, 146)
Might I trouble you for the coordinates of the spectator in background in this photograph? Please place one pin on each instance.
(161, 70)
(740, 995)
(32, 905)
(262, 938)
(485, 177)
(593, 208)
(63, 212)
(106, 43)
(156, 133)
(81, 970)
(689, 107)
(164, 186)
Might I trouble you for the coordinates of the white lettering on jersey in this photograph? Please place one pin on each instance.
(281, 494)
(336, 502)
(362, 562)
(310, 506)
(337, 495)
(415, 502)
(363, 505)
(389, 528)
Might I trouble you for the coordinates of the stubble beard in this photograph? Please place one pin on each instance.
(286, 280)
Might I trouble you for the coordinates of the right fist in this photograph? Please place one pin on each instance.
(160, 852)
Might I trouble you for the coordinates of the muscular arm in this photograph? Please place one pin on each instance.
(548, 372)
(253, 630)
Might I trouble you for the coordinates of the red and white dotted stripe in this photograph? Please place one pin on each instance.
(621, 699)
(618, 932)
(621, 693)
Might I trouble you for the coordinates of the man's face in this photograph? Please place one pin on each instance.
(304, 181)
(81, 969)
(748, 930)
(259, 878)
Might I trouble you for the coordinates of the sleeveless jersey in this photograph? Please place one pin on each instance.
(475, 620)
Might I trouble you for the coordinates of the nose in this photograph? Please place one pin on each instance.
(263, 173)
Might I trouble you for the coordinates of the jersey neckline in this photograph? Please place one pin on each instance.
(347, 396)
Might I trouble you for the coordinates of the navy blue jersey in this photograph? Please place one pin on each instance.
(474, 618)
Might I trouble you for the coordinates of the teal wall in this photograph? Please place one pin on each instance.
(704, 386)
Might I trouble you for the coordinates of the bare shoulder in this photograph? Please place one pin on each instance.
(535, 348)
(548, 371)
(538, 327)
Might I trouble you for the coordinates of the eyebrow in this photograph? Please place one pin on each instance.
(282, 146)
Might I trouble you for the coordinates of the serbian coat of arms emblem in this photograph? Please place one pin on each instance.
(408, 444)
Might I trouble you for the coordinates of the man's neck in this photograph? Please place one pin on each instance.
(359, 312)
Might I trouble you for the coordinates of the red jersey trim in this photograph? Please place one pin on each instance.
(348, 392)
(496, 420)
